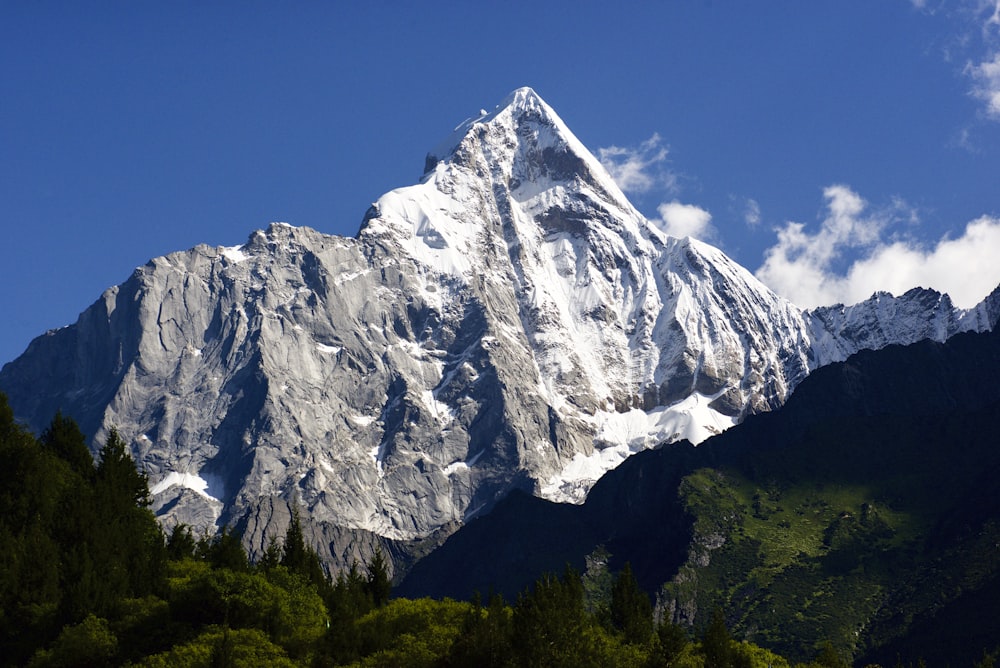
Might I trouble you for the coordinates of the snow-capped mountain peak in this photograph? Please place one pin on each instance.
(510, 321)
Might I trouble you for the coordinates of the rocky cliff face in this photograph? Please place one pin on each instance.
(839, 331)
(509, 322)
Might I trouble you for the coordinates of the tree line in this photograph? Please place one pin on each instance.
(88, 578)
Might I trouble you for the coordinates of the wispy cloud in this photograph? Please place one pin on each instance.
(986, 84)
(979, 33)
(639, 169)
(643, 169)
(974, 40)
(802, 266)
(751, 213)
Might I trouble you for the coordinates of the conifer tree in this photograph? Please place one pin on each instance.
(8, 426)
(127, 543)
(224, 550)
(346, 602)
(829, 657)
(33, 484)
(631, 609)
(717, 643)
(671, 640)
(294, 551)
(117, 477)
(351, 594)
(272, 555)
(298, 557)
(379, 584)
(549, 621)
(65, 440)
(181, 543)
(486, 637)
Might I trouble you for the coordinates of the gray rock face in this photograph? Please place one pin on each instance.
(509, 322)
(840, 331)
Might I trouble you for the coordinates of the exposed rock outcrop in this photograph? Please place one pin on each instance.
(510, 322)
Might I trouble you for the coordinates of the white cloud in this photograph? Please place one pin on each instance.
(986, 84)
(751, 213)
(994, 19)
(975, 39)
(642, 169)
(684, 220)
(966, 267)
(638, 169)
(801, 266)
(984, 67)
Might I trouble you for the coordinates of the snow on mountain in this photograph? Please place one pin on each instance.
(511, 321)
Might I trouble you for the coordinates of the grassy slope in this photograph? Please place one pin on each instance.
(856, 531)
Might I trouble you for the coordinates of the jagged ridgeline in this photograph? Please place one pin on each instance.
(511, 322)
(865, 512)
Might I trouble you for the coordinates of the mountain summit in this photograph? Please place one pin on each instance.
(511, 321)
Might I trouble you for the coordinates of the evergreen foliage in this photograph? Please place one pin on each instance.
(348, 601)
(86, 578)
(64, 439)
(549, 620)
(486, 635)
(272, 555)
(76, 539)
(631, 609)
(117, 477)
(379, 585)
(716, 643)
(224, 550)
(668, 646)
(294, 553)
(180, 543)
(298, 557)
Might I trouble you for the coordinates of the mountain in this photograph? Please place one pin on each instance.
(865, 511)
(511, 322)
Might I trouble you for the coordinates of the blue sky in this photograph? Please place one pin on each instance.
(832, 147)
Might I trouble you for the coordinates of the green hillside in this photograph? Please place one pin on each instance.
(862, 517)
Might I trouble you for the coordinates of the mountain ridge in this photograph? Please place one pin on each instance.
(863, 511)
(509, 322)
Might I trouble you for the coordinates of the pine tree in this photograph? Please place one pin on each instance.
(299, 558)
(127, 542)
(224, 550)
(829, 657)
(716, 643)
(346, 602)
(631, 609)
(8, 426)
(181, 543)
(379, 584)
(64, 439)
(272, 555)
(117, 475)
(294, 552)
(671, 640)
(486, 637)
(550, 620)
(32, 486)
(348, 598)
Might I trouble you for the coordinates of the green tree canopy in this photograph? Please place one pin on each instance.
(631, 609)
(64, 439)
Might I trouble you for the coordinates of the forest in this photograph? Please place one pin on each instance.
(89, 578)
